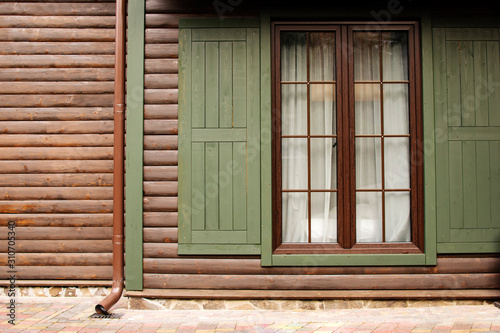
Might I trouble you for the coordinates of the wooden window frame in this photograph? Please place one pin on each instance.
(345, 141)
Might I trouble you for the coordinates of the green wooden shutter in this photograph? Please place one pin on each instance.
(219, 137)
(467, 101)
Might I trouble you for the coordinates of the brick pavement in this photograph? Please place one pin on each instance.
(72, 314)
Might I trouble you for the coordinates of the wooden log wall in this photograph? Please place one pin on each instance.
(56, 138)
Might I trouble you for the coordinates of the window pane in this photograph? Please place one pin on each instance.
(293, 56)
(323, 109)
(396, 109)
(397, 217)
(368, 163)
(323, 164)
(369, 217)
(395, 56)
(366, 56)
(322, 56)
(367, 109)
(295, 217)
(397, 163)
(294, 164)
(293, 109)
(324, 217)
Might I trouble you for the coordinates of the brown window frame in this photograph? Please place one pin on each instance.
(346, 191)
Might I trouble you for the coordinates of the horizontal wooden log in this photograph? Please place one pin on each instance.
(153, 51)
(57, 48)
(60, 283)
(473, 294)
(160, 235)
(60, 272)
(160, 188)
(160, 250)
(54, 114)
(56, 206)
(56, 193)
(56, 74)
(57, 140)
(159, 204)
(60, 153)
(160, 173)
(58, 220)
(67, 87)
(160, 66)
(56, 35)
(57, 9)
(178, 6)
(159, 158)
(57, 127)
(60, 246)
(323, 282)
(63, 166)
(61, 259)
(46, 233)
(161, 96)
(165, 35)
(56, 180)
(157, 126)
(164, 111)
(165, 20)
(19, 21)
(57, 61)
(161, 142)
(160, 219)
(161, 81)
(56, 100)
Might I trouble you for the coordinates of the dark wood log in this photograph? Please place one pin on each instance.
(18, 21)
(159, 188)
(57, 48)
(57, 61)
(61, 259)
(473, 294)
(56, 35)
(168, 111)
(46, 233)
(57, 74)
(160, 219)
(56, 180)
(161, 81)
(60, 272)
(51, 114)
(153, 51)
(69, 9)
(56, 193)
(60, 283)
(323, 282)
(62, 166)
(79, 87)
(60, 153)
(58, 220)
(59, 140)
(157, 126)
(56, 206)
(165, 20)
(159, 173)
(161, 96)
(159, 158)
(165, 35)
(158, 204)
(159, 235)
(57, 100)
(160, 250)
(57, 127)
(160, 66)
(161, 142)
(60, 246)
(179, 6)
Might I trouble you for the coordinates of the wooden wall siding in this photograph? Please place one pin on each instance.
(56, 137)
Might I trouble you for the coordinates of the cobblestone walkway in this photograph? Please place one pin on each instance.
(73, 315)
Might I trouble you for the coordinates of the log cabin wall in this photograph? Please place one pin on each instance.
(56, 139)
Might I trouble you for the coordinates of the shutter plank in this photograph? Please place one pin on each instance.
(456, 186)
(226, 186)
(212, 186)
(469, 181)
(226, 85)
(239, 186)
(467, 85)
(239, 84)
(483, 184)
(493, 55)
(495, 183)
(481, 83)
(198, 187)
(198, 96)
(212, 85)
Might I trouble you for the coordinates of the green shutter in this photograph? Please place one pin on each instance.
(467, 101)
(219, 137)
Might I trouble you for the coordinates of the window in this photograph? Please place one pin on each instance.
(348, 173)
